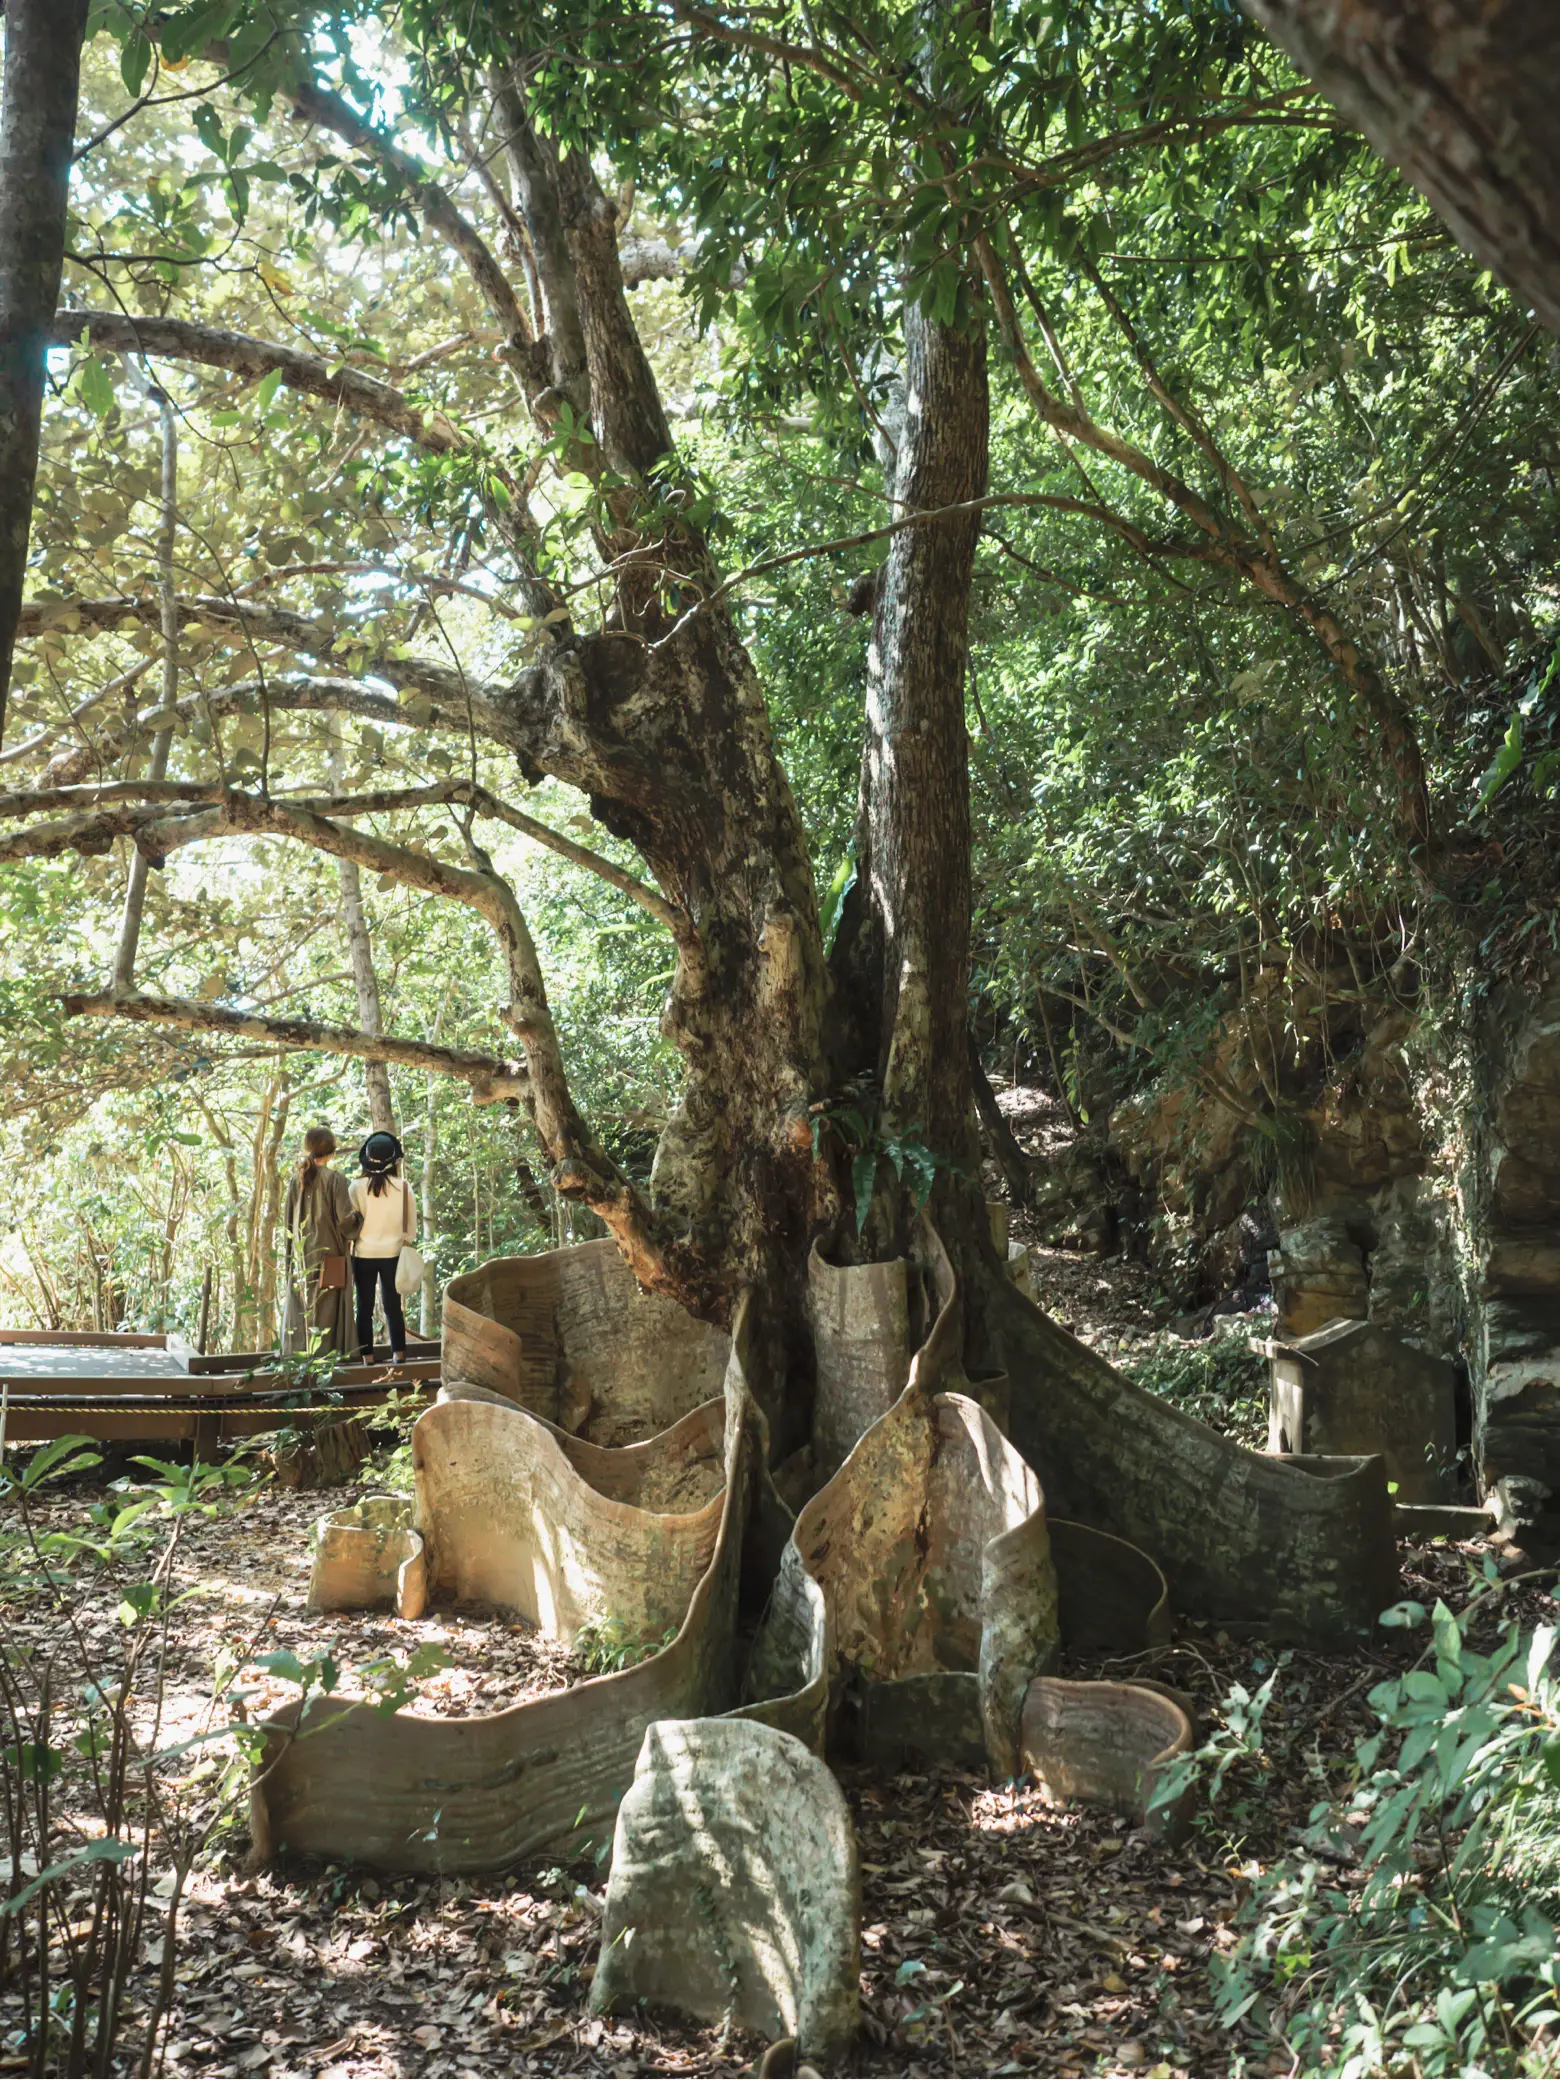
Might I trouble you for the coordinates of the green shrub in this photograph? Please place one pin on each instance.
(604, 1645)
(1221, 1380)
(1416, 1932)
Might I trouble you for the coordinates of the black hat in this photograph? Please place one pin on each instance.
(379, 1153)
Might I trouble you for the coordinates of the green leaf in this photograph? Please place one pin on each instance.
(285, 1663)
(268, 388)
(863, 1176)
(33, 1763)
(208, 128)
(54, 1460)
(95, 387)
(840, 886)
(107, 1850)
(1503, 765)
(1404, 1614)
(134, 60)
(138, 1602)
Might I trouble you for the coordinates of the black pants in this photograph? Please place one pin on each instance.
(367, 1273)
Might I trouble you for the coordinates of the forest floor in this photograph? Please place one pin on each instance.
(999, 1934)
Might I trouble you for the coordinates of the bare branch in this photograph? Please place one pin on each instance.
(307, 696)
(47, 735)
(490, 1079)
(176, 339)
(314, 636)
(994, 501)
(330, 112)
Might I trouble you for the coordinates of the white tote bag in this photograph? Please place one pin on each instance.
(409, 1265)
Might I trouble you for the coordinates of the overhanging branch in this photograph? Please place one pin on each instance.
(177, 339)
(489, 1078)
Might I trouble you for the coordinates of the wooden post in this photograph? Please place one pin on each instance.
(205, 1312)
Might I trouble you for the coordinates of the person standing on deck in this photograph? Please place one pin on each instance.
(321, 1224)
(384, 1200)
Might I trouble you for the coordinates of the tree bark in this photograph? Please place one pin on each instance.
(179, 339)
(365, 983)
(1006, 1151)
(489, 1078)
(167, 600)
(1461, 96)
(906, 936)
(37, 133)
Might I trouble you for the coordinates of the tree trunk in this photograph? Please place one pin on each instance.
(360, 955)
(37, 132)
(1003, 1142)
(428, 1302)
(268, 1184)
(902, 955)
(167, 596)
(1461, 96)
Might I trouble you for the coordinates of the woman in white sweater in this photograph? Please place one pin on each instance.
(384, 1199)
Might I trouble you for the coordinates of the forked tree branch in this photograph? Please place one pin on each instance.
(378, 802)
(283, 696)
(317, 105)
(583, 1169)
(315, 636)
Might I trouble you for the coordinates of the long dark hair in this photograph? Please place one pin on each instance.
(318, 1144)
(380, 1157)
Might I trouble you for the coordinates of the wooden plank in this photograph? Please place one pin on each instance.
(418, 1350)
(35, 1422)
(83, 1339)
(180, 1387)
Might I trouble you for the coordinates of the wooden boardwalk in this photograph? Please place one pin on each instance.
(155, 1389)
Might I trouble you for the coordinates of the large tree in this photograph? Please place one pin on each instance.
(37, 132)
(825, 1088)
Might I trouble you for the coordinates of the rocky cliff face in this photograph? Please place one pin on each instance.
(1423, 1196)
(1512, 1244)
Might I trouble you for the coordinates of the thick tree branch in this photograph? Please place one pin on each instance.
(316, 105)
(583, 1168)
(487, 708)
(176, 339)
(384, 801)
(491, 1080)
(315, 636)
(301, 696)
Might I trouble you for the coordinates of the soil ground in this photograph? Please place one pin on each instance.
(998, 1934)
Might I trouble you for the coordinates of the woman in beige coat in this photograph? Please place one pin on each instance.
(321, 1222)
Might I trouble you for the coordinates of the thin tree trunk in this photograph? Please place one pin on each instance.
(428, 1302)
(37, 133)
(168, 601)
(1006, 1152)
(1461, 96)
(360, 954)
(269, 1185)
